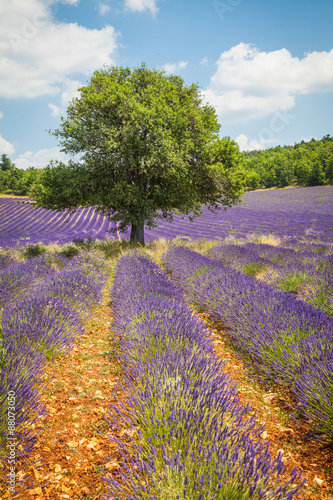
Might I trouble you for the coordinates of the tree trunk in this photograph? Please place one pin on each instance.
(138, 234)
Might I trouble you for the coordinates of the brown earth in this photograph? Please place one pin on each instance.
(74, 445)
(312, 455)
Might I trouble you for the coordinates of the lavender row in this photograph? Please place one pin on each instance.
(307, 273)
(23, 224)
(191, 436)
(301, 212)
(5, 261)
(18, 278)
(34, 329)
(287, 340)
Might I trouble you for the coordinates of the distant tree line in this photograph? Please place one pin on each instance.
(303, 164)
(15, 180)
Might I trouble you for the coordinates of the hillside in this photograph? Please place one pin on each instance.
(285, 213)
(303, 164)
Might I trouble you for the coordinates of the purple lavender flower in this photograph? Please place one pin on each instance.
(191, 437)
(284, 337)
(17, 279)
(45, 323)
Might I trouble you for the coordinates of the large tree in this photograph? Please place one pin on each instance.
(147, 146)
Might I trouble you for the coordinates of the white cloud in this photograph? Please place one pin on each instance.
(55, 110)
(250, 84)
(204, 61)
(39, 159)
(308, 139)
(6, 147)
(71, 2)
(141, 5)
(173, 67)
(250, 145)
(103, 9)
(38, 54)
(70, 91)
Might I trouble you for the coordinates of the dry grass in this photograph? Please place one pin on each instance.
(156, 248)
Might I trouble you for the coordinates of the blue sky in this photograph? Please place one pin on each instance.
(266, 66)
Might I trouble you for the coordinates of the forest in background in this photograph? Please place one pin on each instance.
(16, 181)
(302, 164)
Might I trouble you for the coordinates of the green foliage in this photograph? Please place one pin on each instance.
(15, 180)
(31, 251)
(293, 281)
(5, 164)
(148, 148)
(304, 164)
(70, 251)
(253, 268)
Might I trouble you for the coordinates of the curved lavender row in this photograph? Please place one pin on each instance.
(288, 341)
(20, 376)
(5, 261)
(192, 438)
(34, 329)
(33, 225)
(283, 212)
(46, 324)
(307, 273)
(17, 279)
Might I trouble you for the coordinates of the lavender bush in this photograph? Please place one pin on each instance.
(191, 437)
(305, 273)
(34, 328)
(287, 340)
(18, 278)
(244, 258)
(5, 261)
(46, 324)
(21, 369)
(74, 287)
(91, 264)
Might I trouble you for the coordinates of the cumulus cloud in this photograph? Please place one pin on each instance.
(6, 147)
(255, 144)
(55, 110)
(38, 54)
(40, 158)
(103, 9)
(173, 67)
(70, 90)
(141, 5)
(250, 84)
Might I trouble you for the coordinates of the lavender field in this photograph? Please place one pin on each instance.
(193, 438)
(189, 431)
(44, 303)
(284, 212)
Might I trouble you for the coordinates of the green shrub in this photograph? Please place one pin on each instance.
(31, 251)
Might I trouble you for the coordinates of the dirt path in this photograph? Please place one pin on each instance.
(73, 443)
(299, 449)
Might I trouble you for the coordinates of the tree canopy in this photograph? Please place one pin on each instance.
(15, 180)
(304, 164)
(147, 147)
